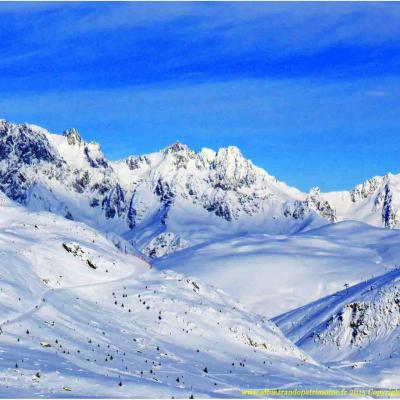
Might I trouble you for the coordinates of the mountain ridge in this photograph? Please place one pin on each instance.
(151, 199)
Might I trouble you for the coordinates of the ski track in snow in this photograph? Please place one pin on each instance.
(49, 292)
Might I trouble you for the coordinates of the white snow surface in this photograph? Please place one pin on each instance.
(73, 328)
(272, 274)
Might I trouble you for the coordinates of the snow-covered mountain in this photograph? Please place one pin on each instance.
(376, 202)
(174, 198)
(61, 174)
(167, 200)
(80, 317)
(358, 328)
(160, 199)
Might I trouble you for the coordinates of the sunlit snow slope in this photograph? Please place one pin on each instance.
(273, 274)
(79, 317)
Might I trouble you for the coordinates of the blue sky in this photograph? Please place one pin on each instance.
(308, 91)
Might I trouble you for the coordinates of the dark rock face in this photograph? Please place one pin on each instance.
(221, 210)
(114, 203)
(319, 205)
(136, 162)
(390, 217)
(102, 187)
(14, 185)
(95, 162)
(94, 202)
(22, 150)
(131, 215)
(313, 203)
(82, 181)
(27, 158)
(366, 189)
(164, 191)
(20, 144)
(68, 215)
(73, 137)
(297, 210)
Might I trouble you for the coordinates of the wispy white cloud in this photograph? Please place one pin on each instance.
(232, 27)
(222, 109)
(378, 93)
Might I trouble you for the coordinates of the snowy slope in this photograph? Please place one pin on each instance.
(79, 317)
(347, 321)
(358, 327)
(272, 274)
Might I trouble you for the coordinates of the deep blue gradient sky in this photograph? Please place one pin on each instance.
(308, 91)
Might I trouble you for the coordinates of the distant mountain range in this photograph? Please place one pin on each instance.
(176, 197)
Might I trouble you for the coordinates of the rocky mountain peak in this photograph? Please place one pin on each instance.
(230, 170)
(319, 205)
(24, 143)
(229, 154)
(207, 155)
(73, 136)
(314, 202)
(180, 155)
(177, 147)
(366, 189)
(314, 192)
